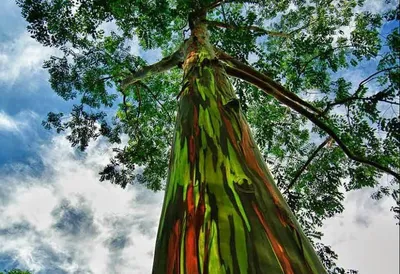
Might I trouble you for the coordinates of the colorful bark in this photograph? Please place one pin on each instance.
(222, 211)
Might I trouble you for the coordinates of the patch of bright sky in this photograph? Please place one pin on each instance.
(124, 221)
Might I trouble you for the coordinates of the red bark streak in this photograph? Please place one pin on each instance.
(191, 239)
(201, 208)
(173, 250)
(196, 122)
(251, 160)
(228, 126)
(192, 150)
(278, 249)
(281, 218)
(191, 90)
(248, 153)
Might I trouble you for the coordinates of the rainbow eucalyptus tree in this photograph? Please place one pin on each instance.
(280, 64)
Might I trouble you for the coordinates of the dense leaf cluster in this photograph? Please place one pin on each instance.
(15, 271)
(311, 47)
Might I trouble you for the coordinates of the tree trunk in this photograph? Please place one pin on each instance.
(222, 211)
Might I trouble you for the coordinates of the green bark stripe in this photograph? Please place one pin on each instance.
(220, 192)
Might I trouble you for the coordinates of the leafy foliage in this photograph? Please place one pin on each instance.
(314, 48)
(15, 271)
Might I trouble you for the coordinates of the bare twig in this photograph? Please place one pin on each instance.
(355, 97)
(307, 163)
(214, 5)
(321, 54)
(251, 28)
(220, 2)
(366, 80)
(143, 85)
(223, 13)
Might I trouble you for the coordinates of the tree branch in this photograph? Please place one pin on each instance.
(356, 97)
(251, 28)
(143, 85)
(214, 5)
(161, 66)
(124, 103)
(139, 102)
(321, 54)
(275, 86)
(307, 163)
(366, 80)
(267, 88)
(218, 3)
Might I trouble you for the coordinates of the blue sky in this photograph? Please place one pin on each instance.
(56, 217)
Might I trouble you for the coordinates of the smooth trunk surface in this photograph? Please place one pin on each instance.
(222, 211)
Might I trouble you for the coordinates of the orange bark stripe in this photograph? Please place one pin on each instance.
(173, 250)
(251, 160)
(278, 249)
(191, 259)
(228, 127)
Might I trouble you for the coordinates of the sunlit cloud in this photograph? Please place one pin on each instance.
(17, 123)
(69, 218)
(22, 58)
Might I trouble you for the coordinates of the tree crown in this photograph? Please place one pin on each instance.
(309, 47)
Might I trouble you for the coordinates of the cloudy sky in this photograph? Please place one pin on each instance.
(56, 217)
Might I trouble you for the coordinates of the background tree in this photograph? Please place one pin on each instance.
(320, 133)
(15, 271)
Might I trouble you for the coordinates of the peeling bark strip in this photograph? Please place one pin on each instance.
(222, 211)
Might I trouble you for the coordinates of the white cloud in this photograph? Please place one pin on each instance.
(43, 221)
(365, 235)
(22, 57)
(372, 6)
(67, 219)
(7, 123)
(375, 6)
(16, 123)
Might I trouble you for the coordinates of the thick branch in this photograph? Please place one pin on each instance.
(251, 28)
(161, 66)
(267, 88)
(307, 163)
(276, 86)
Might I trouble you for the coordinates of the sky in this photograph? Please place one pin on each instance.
(55, 215)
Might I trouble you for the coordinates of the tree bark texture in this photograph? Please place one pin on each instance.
(222, 211)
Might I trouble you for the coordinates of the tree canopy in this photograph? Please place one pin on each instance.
(317, 80)
(15, 271)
